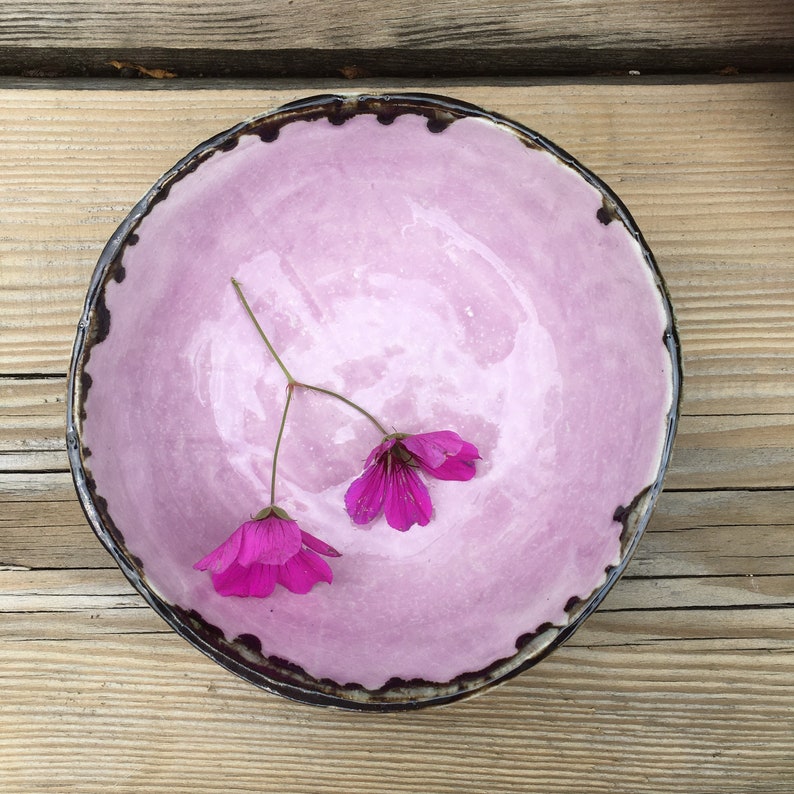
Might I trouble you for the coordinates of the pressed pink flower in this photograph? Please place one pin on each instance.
(269, 549)
(390, 482)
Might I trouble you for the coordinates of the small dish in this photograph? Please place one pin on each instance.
(448, 268)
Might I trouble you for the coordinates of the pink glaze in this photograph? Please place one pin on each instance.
(457, 280)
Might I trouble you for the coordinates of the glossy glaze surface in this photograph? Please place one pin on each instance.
(445, 280)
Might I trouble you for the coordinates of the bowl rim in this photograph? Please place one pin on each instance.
(242, 655)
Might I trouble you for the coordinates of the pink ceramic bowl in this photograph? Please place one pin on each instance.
(442, 266)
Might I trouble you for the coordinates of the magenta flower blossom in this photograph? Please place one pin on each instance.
(269, 549)
(390, 482)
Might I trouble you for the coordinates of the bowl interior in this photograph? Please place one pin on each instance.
(440, 266)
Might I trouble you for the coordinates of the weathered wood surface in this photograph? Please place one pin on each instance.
(402, 38)
(684, 679)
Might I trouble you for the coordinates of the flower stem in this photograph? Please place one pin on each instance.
(346, 402)
(290, 379)
(291, 383)
(278, 445)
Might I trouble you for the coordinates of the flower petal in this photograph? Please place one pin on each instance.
(407, 501)
(364, 497)
(320, 546)
(224, 556)
(257, 580)
(457, 456)
(271, 541)
(300, 573)
(432, 449)
(458, 467)
(379, 451)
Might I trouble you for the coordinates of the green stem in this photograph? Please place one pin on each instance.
(278, 445)
(291, 382)
(236, 285)
(346, 402)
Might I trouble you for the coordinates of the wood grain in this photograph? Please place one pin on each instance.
(405, 38)
(693, 533)
(33, 424)
(683, 678)
(745, 451)
(603, 719)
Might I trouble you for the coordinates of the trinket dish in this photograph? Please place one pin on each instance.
(444, 266)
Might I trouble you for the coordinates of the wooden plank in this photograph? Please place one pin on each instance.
(692, 629)
(83, 590)
(715, 533)
(304, 38)
(722, 236)
(42, 525)
(733, 452)
(747, 550)
(768, 629)
(706, 454)
(754, 451)
(32, 424)
(631, 720)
